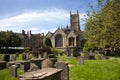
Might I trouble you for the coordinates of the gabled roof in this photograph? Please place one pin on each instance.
(49, 34)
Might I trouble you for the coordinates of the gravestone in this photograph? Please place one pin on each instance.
(37, 62)
(17, 54)
(65, 68)
(17, 63)
(30, 56)
(86, 55)
(12, 58)
(47, 63)
(45, 55)
(6, 57)
(80, 60)
(27, 56)
(24, 56)
(3, 64)
(33, 67)
(25, 65)
(13, 71)
(1, 58)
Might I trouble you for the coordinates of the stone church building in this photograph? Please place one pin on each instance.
(69, 36)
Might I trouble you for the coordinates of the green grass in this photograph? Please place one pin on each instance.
(94, 69)
(18, 58)
(90, 70)
(5, 74)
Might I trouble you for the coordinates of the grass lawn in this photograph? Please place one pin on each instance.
(94, 69)
(5, 74)
(91, 70)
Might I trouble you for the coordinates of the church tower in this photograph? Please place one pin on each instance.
(74, 21)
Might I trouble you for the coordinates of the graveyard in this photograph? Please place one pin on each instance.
(87, 48)
(77, 68)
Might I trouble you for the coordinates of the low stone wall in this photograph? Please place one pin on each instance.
(3, 64)
(43, 74)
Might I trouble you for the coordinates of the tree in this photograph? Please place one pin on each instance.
(102, 28)
(9, 39)
(48, 42)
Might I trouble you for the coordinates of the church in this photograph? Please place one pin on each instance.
(69, 36)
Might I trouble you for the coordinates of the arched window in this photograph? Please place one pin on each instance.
(58, 41)
(71, 41)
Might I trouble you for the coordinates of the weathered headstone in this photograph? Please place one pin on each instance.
(27, 56)
(3, 64)
(1, 58)
(13, 71)
(33, 67)
(17, 54)
(47, 63)
(24, 56)
(65, 68)
(6, 57)
(80, 60)
(37, 62)
(86, 55)
(25, 65)
(45, 55)
(30, 56)
(12, 58)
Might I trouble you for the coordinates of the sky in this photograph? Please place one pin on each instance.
(40, 16)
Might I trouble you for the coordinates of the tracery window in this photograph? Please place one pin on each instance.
(58, 40)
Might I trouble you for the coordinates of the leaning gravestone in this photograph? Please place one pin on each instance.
(13, 71)
(80, 60)
(33, 67)
(65, 68)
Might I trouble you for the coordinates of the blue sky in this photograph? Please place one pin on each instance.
(40, 16)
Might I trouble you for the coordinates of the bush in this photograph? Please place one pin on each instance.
(55, 51)
(27, 49)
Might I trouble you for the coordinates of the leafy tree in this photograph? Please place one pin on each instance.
(9, 39)
(102, 28)
(48, 42)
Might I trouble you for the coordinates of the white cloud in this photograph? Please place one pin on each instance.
(31, 18)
